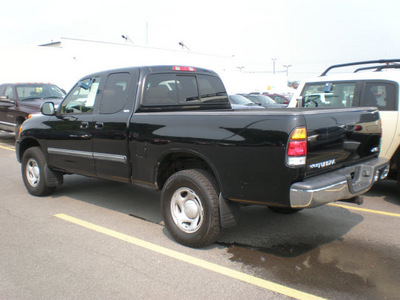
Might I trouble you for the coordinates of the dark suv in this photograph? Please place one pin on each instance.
(19, 100)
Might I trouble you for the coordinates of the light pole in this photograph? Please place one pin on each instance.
(287, 69)
(273, 64)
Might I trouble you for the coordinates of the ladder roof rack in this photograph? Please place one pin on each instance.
(384, 64)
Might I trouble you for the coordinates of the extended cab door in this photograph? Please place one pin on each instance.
(69, 143)
(110, 134)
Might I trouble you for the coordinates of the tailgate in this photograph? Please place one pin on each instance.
(338, 137)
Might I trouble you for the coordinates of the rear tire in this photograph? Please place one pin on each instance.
(38, 178)
(189, 206)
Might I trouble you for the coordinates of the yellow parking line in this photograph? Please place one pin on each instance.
(379, 212)
(7, 148)
(193, 260)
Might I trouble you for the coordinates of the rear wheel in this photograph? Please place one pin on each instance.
(190, 208)
(38, 178)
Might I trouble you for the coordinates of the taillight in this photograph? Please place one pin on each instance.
(297, 147)
(189, 69)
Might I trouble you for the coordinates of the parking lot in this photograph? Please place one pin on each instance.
(99, 239)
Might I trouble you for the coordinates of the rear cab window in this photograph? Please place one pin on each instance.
(183, 90)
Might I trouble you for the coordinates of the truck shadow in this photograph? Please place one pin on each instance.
(290, 235)
(258, 227)
(388, 188)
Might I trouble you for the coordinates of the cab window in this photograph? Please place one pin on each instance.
(9, 93)
(114, 93)
(211, 89)
(82, 98)
(381, 95)
(172, 89)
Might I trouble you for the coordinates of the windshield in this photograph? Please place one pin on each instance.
(238, 99)
(39, 91)
(264, 100)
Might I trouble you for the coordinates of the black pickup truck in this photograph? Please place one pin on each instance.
(172, 129)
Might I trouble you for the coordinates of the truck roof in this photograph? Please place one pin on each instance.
(158, 69)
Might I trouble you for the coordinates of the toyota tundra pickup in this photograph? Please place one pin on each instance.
(172, 129)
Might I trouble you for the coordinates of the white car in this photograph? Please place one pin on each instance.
(376, 85)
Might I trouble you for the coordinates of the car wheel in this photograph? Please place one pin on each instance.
(284, 210)
(189, 205)
(38, 178)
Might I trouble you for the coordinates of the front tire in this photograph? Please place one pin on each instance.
(38, 178)
(189, 206)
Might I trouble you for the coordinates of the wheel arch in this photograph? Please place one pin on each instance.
(19, 120)
(178, 160)
(25, 145)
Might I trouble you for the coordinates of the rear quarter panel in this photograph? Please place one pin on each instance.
(246, 150)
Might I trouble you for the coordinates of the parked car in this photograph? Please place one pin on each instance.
(278, 98)
(241, 102)
(19, 100)
(263, 100)
(185, 140)
(372, 83)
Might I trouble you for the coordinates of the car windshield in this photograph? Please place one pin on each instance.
(261, 98)
(39, 91)
(238, 99)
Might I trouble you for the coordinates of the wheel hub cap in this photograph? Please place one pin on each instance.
(187, 210)
(32, 172)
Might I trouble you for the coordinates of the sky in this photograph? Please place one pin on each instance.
(309, 35)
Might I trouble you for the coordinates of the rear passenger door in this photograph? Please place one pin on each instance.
(384, 95)
(110, 134)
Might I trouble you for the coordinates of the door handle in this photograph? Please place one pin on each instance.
(99, 125)
(84, 125)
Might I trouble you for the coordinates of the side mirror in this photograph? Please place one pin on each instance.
(5, 102)
(48, 109)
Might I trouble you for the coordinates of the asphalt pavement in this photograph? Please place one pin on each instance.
(96, 239)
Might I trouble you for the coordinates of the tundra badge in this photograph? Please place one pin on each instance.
(323, 164)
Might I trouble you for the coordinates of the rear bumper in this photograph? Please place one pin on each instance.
(341, 184)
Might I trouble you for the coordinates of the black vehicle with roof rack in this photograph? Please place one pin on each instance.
(173, 129)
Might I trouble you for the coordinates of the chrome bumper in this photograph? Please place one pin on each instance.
(341, 184)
